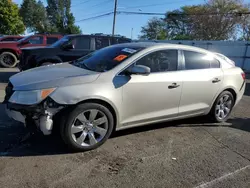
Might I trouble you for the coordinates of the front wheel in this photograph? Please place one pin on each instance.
(87, 127)
(222, 107)
(8, 60)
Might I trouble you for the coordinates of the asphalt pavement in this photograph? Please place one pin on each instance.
(188, 153)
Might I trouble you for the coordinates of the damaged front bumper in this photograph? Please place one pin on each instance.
(34, 116)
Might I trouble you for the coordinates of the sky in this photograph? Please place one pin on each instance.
(126, 25)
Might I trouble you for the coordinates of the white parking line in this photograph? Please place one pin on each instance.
(211, 183)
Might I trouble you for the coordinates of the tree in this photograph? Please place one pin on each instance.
(155, 29)
(215, 20)
(10, 21)
(178, 25)
(60, 16)
(34, 16)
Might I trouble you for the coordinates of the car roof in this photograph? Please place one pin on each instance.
(95, 35)
(158, 44)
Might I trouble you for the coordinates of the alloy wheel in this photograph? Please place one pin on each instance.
(8, 59)
(89, 127)
(223, 107)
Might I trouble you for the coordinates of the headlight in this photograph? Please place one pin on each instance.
(30, 97)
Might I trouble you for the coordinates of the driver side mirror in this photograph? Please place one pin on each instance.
(69, 46)
(138, 69)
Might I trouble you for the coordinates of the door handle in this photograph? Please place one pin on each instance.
(173, 85)
(215, 80)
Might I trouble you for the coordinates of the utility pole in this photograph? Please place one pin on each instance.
(115, 7)
(132, 33)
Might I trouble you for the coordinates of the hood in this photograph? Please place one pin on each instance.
(7, 44)
(40, 50)
(56, 75)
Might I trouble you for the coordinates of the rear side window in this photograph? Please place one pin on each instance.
(51, 40)
(215, 63)
(81, 43)
(195, 60)
(101, 42)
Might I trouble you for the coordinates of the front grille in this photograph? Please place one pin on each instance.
(8, 92)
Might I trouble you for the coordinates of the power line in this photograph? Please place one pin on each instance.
(80, 3)
(141, 13)
(97, 4)
(97, 13)
(95, 17)
(159, 14)
(151, 5)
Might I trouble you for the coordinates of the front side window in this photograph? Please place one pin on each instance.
(61, 42)
(36, 40)
(160, 61)
(81, 43)
(107, 58)
(196, 60)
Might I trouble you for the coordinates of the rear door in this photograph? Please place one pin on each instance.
(202, 79)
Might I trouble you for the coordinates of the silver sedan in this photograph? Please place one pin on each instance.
(123, 86)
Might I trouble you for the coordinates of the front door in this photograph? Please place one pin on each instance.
(82, 47)
(202, 79)
(155, 96)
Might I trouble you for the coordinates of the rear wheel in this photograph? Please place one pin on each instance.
(87, 127)
(222, 107)
(8, 60)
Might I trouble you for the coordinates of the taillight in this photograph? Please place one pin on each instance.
(243, 75)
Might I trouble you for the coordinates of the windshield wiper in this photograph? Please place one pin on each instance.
(81, 65)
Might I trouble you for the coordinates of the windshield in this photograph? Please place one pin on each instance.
(25, 38)
(60, 42)
(107, 58)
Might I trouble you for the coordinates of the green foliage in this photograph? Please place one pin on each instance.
(10, 21)
(34, 16)
(215, 20)
(155, 29)
(56, 17)
(61, 18)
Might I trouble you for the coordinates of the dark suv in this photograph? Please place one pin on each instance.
(69, 48)
(11, 51)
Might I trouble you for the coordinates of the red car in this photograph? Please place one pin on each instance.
(11, 51)
(10, 38)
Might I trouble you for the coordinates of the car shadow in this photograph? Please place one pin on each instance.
(38, 145)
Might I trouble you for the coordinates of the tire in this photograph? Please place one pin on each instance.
(8, 60)
(226, 107)
(84, 135)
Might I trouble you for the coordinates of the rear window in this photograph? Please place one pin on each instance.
(106, 58)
